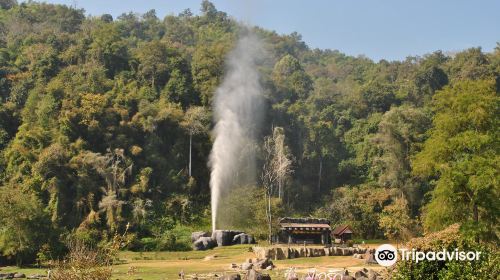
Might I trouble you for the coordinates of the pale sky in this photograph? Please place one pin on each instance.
(390, 29)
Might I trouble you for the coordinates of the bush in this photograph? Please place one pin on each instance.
(176, 239)
(449, 239)
(83, 262)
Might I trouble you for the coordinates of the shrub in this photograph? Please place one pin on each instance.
(449, 239)
(83, 262)
(177, 239)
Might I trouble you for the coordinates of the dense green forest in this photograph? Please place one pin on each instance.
(97, 114)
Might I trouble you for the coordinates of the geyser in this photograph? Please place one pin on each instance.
(237, 104)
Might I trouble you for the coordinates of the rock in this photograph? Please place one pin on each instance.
(246, 266)
(19, 275)
(243, 238)
(251, 239)
(265, 277)
(36, 276)
(230, 277)
(372, 274)
(197, 234)
(359, 273)
(7, 275)
(370, 257)
(224, 237)
(204, 243)
(263, 263)
(252, 274)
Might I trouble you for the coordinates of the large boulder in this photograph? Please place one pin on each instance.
(243, 238)
(197, 234)
(204, 243)
(224, 237)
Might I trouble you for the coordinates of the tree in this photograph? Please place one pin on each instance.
(277, 167)
(24, 224)
(400, 132)
(153, 65)
(114, 169)
(291, 80)
(282, 160)
(395, 220)
(195, 121)
(462, 154)
(269, 178)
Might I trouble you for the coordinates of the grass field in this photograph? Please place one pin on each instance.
(167, 265)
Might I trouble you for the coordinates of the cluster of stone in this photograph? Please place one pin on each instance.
(204, 240)
(13, 275)
(282, 253)
(363, 274)
(251, 274)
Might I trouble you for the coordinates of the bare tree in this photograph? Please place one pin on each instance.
(195, 121)
(277, 167)
(282, 159)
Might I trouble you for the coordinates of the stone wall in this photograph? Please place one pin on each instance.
(281, 253)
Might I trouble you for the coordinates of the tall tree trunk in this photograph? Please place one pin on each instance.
(280, 190)
(476, 218)
(268, 216)
(319, 174)
(190, 151)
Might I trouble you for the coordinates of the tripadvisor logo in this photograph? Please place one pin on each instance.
(387, 255)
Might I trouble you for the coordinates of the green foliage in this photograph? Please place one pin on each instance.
(24, 225)
(395, 220)
(105, 123)
(449, 239)
(359, 207)
(462, 151)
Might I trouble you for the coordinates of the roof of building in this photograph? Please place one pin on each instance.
(300, 225)
(341, 230)
(304, 221)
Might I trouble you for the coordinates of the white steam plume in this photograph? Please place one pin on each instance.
(237, 113)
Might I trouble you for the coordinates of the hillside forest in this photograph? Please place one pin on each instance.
(98, 116)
